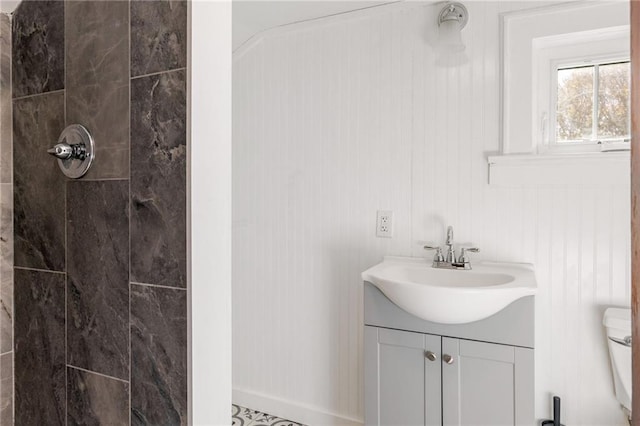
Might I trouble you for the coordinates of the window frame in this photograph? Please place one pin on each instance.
(528, 36)
(553, 53)
(595, 61)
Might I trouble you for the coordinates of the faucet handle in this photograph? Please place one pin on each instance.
(438, 257)
(463, 253)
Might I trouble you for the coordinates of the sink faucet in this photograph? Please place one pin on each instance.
(451, 254)
(451, 262)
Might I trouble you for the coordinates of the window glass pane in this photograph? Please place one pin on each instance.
(575, 104)
(613, 100)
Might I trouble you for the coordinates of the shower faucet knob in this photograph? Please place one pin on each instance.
(75, 151)
(62, 151)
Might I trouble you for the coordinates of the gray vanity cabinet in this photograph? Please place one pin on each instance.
(407, 384)
(422, 373)
(486, 384)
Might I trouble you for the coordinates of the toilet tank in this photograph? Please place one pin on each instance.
(617, 322)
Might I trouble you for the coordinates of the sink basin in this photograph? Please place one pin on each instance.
(450, 296)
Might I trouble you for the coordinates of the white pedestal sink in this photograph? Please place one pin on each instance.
(451, 296)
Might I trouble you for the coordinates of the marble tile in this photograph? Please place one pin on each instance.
(96, 400)
(274, 421)
(6, 267)
(241, 416)
(98, 272)
(158, 356)
(158, 36)
(38, 47)
(158, 179)
(6, 190)
(39, 192)
(6, 389)
(5, 99)
(97, 80)
(40, 395)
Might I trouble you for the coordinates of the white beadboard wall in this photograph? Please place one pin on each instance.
(337, 118)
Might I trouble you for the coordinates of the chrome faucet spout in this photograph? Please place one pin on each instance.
(451, 255)
(449, 241)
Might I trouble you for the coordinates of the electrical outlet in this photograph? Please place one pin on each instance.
(384, 224)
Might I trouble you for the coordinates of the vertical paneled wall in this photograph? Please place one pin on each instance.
(100, 288)
(337, 118)
(6, 227)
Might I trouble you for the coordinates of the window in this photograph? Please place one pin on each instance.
(582, 84)
(561, 102)
(592, 104)
(537, 44)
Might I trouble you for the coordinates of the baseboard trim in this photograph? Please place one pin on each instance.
(290, 410)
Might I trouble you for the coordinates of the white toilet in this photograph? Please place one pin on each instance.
(617, 322)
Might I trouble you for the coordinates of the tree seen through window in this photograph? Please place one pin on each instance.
(606, 85)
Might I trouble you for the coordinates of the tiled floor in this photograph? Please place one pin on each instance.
(241, 416)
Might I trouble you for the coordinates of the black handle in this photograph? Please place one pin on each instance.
(556, 414)
(556, 411)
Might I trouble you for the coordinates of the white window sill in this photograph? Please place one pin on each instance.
(598, 168)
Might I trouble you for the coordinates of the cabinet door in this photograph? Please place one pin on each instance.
(486, 384)
(402, 386)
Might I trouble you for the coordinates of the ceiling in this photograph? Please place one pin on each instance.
(252, 17)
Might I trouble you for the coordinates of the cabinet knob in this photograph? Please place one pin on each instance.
(430, 356)
(447, 358)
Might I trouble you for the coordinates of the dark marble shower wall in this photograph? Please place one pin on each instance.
(100, 263)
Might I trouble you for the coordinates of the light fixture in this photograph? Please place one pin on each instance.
(452, 19)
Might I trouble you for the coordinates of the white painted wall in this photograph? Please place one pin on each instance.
(338, 118)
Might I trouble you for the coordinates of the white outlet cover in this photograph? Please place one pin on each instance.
(384, 224)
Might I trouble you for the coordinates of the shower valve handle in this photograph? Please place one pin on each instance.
(75, 151)
(65, 151)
